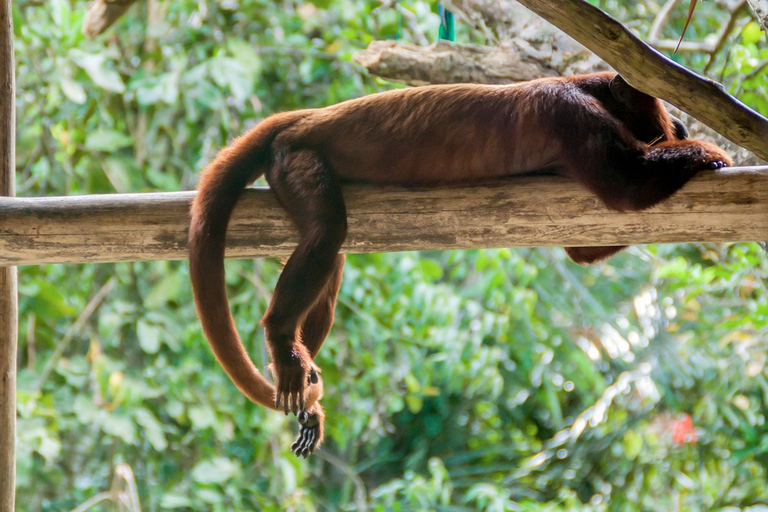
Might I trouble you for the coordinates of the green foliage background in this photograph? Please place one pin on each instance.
(473, 380)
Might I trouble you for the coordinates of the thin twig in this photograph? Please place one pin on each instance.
(669, 45)
(759, 69)
(94, 500)
(361, 495)
(101, 14)
(74, 330)
(31, 343)
(723, 34)
(661, 20)
(130, 495)
(127, 498)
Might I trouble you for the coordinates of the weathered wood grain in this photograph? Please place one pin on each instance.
(445, 62)
(8, 291)
(718, 206)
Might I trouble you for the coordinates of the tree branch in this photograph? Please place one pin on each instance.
(445, 62)
(101, 14)
(725, 31)
(500, 20)
(529, 48)
(509, 23)
(761, 11)
(669, 45)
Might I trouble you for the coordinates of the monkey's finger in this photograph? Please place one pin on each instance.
(302, 401)
(303, 416)
(286, 397)
(297, 443)
(308, 438)
(300, 451)
(297, 447)
(717, 164)
(277, 400)
(299, 438)
(309, 445)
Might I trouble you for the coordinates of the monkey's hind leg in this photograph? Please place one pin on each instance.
(309, 192)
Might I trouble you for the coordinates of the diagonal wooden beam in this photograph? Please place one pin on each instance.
(717, 206)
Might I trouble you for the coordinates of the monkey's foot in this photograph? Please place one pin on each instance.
(310, 432)
(587, 255)
(293, 374)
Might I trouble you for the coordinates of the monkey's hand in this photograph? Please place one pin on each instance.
(689, 156)
(293, 372)
(311, 427)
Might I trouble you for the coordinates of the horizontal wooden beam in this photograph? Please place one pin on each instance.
(718, 206)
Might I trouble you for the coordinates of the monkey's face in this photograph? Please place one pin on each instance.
(681, 131)
(642, 114)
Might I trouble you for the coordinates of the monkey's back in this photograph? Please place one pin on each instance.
(431, 134)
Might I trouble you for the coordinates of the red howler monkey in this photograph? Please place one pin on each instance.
(612, 139)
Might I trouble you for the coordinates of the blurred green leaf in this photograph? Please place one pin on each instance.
(97, 68)
(149, 336)
(214, 471)
(107, 140)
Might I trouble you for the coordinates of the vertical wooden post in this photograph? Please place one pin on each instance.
(8, 291)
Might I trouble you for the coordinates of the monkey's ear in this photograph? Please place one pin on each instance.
(681, 132)
(620, 90)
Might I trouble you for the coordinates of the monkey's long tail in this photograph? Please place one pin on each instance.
(221, 185)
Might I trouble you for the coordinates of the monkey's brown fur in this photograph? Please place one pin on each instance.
(610, 138)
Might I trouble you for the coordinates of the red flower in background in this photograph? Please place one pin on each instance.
(683, 431)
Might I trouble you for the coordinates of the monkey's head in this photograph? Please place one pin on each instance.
(644, 115)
